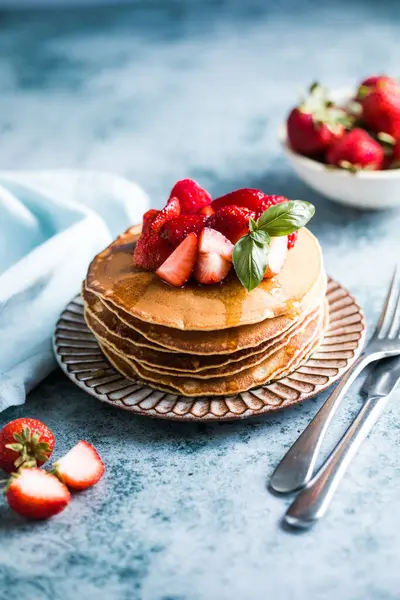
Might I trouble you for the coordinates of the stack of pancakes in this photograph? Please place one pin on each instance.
(205, 340)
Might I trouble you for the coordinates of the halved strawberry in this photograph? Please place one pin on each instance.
(178, 267)
(206, 211)
(191, 196)
(231, 221)
(151, 251)
(214, 258)
(80, 468)
(172, 209)
(148, 219)
(36, 494)
(177, 229)
(278, 250)
(248, 197)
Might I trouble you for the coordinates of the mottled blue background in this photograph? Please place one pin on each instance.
(157, 91)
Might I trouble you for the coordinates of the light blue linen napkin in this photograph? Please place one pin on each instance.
(52, 223)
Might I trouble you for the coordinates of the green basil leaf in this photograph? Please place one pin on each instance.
(286, 218)
(260, 237)
(252, 225)
(250, 259)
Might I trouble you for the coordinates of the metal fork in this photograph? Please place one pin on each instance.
(297, 466)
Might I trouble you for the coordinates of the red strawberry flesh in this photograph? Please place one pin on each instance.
(191, 195)
(214, 259)
(358, 150)
(179, 266)
(81, 467)
(36, 494)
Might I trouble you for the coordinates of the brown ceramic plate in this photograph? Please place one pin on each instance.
(81, 359)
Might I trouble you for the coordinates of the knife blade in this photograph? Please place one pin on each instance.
(313, 501)
(382, 379)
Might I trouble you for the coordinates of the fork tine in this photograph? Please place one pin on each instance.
(386, 317)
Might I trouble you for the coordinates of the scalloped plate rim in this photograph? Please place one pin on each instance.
(209, 416)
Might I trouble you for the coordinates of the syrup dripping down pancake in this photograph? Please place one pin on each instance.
(201, 366)
(283, 361)
(222, 341)
(144, 296)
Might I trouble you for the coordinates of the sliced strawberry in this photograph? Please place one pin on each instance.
(213, 242)
(80, 468)
(36, 494)
(148, 219)
(248, 197)
(151, 251)
(178, 267)
(172, 209)
(206, 211)
(231, 221)
(177, 229)
(191, 196)
(277, 256)
(214, 258)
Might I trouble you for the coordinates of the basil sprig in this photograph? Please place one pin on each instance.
(251, 252)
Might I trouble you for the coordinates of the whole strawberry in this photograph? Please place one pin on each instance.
(25, 443)
(370, 83)
(36, 494)
(177, 229)
(248, 197)
(231, 221)
(381, 108)
(393, 158)
(151, 251)
(316, 124)
(356, 150)
(192, 197)
(148, 219)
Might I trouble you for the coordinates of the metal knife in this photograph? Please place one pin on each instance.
(313, 501)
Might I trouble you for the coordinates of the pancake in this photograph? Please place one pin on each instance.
(222, 341)
(146, 297)
(201, 366)
(281, 362)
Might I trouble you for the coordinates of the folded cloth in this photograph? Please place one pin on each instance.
(52, 223)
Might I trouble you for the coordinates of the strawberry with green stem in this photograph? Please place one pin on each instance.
(25, 443)
(316, 123)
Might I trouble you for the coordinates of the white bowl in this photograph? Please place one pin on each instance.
(365, 189)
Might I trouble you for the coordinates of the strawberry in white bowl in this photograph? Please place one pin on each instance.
(349, 150)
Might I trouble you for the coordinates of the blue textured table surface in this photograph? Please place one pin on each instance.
(156, 92)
